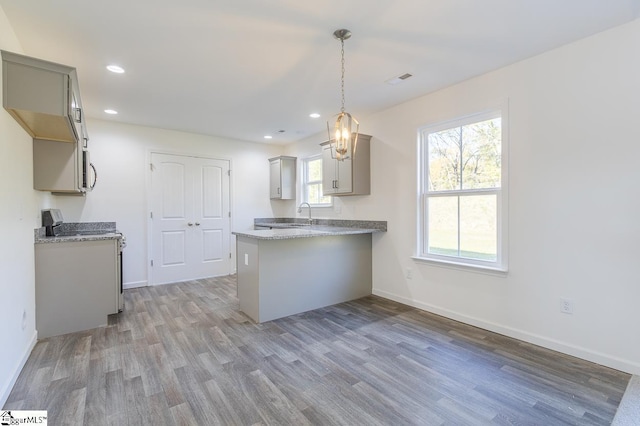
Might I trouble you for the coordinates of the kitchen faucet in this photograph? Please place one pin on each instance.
(300, 211)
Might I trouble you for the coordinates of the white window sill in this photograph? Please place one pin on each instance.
(491, 270)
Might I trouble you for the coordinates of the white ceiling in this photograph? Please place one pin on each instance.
(246, 68)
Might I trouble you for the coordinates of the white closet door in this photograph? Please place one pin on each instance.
(190, 218)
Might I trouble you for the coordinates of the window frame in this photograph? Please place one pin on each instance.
(305, 184)
(501, 262)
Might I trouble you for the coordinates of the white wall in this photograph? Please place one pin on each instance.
(121, 152)
(19, 215)
(574, 201)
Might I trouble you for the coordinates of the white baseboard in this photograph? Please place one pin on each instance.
(7, 387)
(134, 284)
(607, 360)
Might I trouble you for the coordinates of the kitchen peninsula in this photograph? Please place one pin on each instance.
(288, 266)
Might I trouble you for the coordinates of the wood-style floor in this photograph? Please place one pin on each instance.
(182, 354)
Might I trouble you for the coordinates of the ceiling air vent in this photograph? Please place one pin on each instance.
(395, 80)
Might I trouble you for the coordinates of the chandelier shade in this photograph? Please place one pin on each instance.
(344, 136)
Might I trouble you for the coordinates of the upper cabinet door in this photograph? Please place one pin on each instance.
(282, 178)
(347, 177)
(43, 97)
(344, 176)
(274, 178)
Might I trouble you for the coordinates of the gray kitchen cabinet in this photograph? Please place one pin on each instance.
(77, 285)
(282, 178)
(347, 177)
(44, 97)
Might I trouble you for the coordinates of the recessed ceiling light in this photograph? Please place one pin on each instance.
(268, 137)
(314, 115)
(111, 111)
(115, 68)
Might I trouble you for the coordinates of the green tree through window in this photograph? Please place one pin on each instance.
(462, 173)
(466, 157)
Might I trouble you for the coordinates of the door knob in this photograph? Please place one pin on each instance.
(197, 224)
(190, 224)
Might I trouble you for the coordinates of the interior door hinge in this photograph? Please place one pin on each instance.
(151, 262)
(151, 215)
(151, 166)
(229, 172)
(229, 214)
(229, 255)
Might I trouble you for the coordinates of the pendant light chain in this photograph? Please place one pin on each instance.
(342, 79)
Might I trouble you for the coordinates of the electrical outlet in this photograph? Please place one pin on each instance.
(566, 306)
(409, 273)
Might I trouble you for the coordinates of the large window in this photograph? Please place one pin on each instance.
(312, 182)
(462, 191)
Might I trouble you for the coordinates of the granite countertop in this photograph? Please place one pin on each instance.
(81, 231)
(286, 228)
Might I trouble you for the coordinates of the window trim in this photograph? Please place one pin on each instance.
(501, 263)
(305, 184)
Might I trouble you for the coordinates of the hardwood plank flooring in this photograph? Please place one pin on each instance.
(183, 354)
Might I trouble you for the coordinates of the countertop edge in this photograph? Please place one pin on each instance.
(379, 225)
(285, 234)
(77, 238)
(102, 233)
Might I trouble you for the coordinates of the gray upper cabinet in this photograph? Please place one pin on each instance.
(282, 178)
(348, 177)
(43, 97)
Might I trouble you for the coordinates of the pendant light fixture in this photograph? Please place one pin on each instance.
(344, 138)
